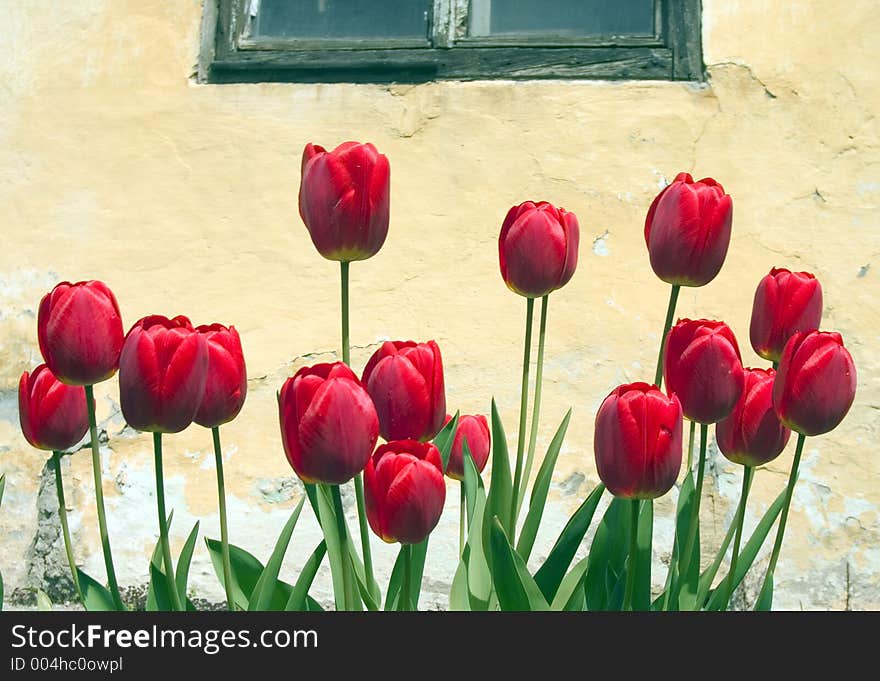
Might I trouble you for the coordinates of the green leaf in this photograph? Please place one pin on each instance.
(246, 570)
(749, 553)
(445, 438)
(514, 585)
(96, 597)
(366, 596)
(395, 583)
(327, 518)
(181, 576)
(459, 599)
(479, 578)
(607, 557)
(570, 593)
(688, 575)
(550, 574)
(500, 486)
(642, 591)
(312, 605)
(161, 600)
(264, 589)
(540, 489)
(298, 596)
(156, 559)
(709, 573)
(472, 481)
(44, 603)
(765, 598)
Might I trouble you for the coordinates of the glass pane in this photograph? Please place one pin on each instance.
(564, 18)
(316, 19)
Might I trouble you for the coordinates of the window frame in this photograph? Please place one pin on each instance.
(230, 55)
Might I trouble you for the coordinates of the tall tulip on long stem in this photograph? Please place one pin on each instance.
(79, 329)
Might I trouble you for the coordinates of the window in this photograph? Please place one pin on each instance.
(380, 41)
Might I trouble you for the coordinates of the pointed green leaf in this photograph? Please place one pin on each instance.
(540, 489)
(327, 518)
(514, 585)
(44, 603)
(299, 595)
(551, 573)
(445, 438)
(181, 575)
(765, 598)
(96, 597)
(571, 588)
(472, 481)
(312, 605)
(246, 570)
(161, 600)
(607, 557)
(749, 553)
(366, 596)
(642, 592)
(395, 583)
(265, 587)
(479, 578)
(500, 494)
(458, 594)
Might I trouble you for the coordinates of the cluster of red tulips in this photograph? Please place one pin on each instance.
(172, 374)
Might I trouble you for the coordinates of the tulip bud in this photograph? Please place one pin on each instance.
(328, 423)
(226, 384)
(162, 373)
(687, 231)
(538, 248)
(79, 329)
(53, 415)
(405, 380)
(703, 367)
(404, 490)
(785, 303)
(344, 200)
(752, 435)
(474, 430)
(637, 441)
(815, 384)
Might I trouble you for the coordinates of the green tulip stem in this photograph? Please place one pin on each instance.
(748, 471)
(358, 479)
(670, 313)
(691, 438)
(695, 508)
(633, 561)
(789, 493)
(342, 530)
(407, 578)
(224, 530)
(163, 525)
(99, 500)
(462, 516)
(536, 407)
(523, 415)
(65, 530)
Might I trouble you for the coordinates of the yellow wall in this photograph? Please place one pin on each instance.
(115, 164)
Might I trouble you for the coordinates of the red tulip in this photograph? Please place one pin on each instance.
(816, 382)
(405, 380)
(328, 423)
(637, 441)
(404, 490)
(703, 367)
(687, 231)
(226, 384)
(344, 200)
(785, 303)
(53, 415)
(538, 248)
(752, 435)
(79, 329)
(474, 430)
(162, 373)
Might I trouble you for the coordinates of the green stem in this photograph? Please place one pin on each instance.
(99, 500)
(346, 343)
(65, 530)
(163, 525)
(740, 518)
(695, 509)
(633, 555)
(691, 439)
(789, 493)
(407, 578)
(365, 531)
(224, 531)
(342, 530)
(536, 407)
(775, 365)
(523, 414)
(670, 313)
(462, 517)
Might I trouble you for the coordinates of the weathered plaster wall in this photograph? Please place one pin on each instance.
(115, 164)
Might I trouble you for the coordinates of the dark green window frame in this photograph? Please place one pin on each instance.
(229, 56)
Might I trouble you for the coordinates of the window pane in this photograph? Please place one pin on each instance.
(316, 19)
(565, 18)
